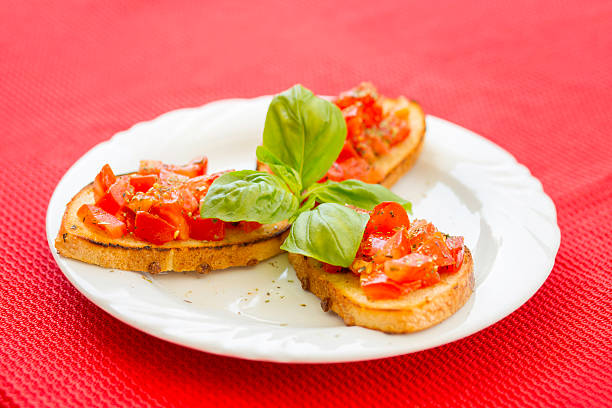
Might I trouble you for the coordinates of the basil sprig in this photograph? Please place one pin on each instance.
(303, 136)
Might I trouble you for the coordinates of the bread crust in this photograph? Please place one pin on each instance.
(415, 311)
(77, 241)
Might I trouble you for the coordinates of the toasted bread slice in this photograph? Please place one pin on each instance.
(77, 241)
(418, 310)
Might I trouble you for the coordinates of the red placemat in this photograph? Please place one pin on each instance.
(534, 77)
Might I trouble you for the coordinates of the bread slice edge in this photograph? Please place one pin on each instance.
(77, 241)
(418, 310)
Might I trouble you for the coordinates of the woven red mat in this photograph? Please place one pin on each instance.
(533, 77)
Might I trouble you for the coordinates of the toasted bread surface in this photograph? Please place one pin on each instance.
(77, 241)
(418, 310)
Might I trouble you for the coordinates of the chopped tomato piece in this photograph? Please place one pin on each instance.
(169, 178)
(103, 181)
(378, 145)
(154, 229)
(108, 203)
(248, 226)
(188, 201)
(374, 243)
(97, 218)
(365, 150)
(175, 218)
(207, 229)
(396, 247)
(347, 152)
(129, 218)
(411, 267)
(117, 196)
(150, 167)
(194, 168)
(199, 185)
(378, 286)
(457, 249)
(435, 247)
(143, 201)
(419, 231)
(387, 217)
(142, 183)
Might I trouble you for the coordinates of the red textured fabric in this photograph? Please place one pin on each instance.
(533, 77)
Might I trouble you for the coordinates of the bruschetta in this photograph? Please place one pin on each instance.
(149, 221)
(405, 277)
(384, 136)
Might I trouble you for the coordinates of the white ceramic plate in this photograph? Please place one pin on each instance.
(463, 183)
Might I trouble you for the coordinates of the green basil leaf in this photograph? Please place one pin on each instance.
(248, 195)
(330, 233)
(304, 132)
(289, 175)
(357, 193)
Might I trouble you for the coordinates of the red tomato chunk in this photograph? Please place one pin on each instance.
(154, 229)
(99, 219)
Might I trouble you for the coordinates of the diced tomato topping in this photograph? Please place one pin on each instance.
(435, 247)
(347, 152)
(249, 226)
(189, 202)
(121, 190)
(117, 196)
(207, 229)
(374, 243)
(386, 217)
(169, 178)
(194, 168)
(150, 167)
(104, 179)
(377, 285)
(199, 185)
(378, 145)
(97, 218)
(129, 218)
(395, 247)
(142, 183)
(174, 217)
(108, 203)
(419, 231)
(143, 201)
(371, 132)
(153, 228)
(457, 249)
(411, 267)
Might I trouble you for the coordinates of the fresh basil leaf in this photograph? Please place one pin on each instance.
(248, 195)
(330, 233)
(356, 193)
(304, 132)
(289, 175)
